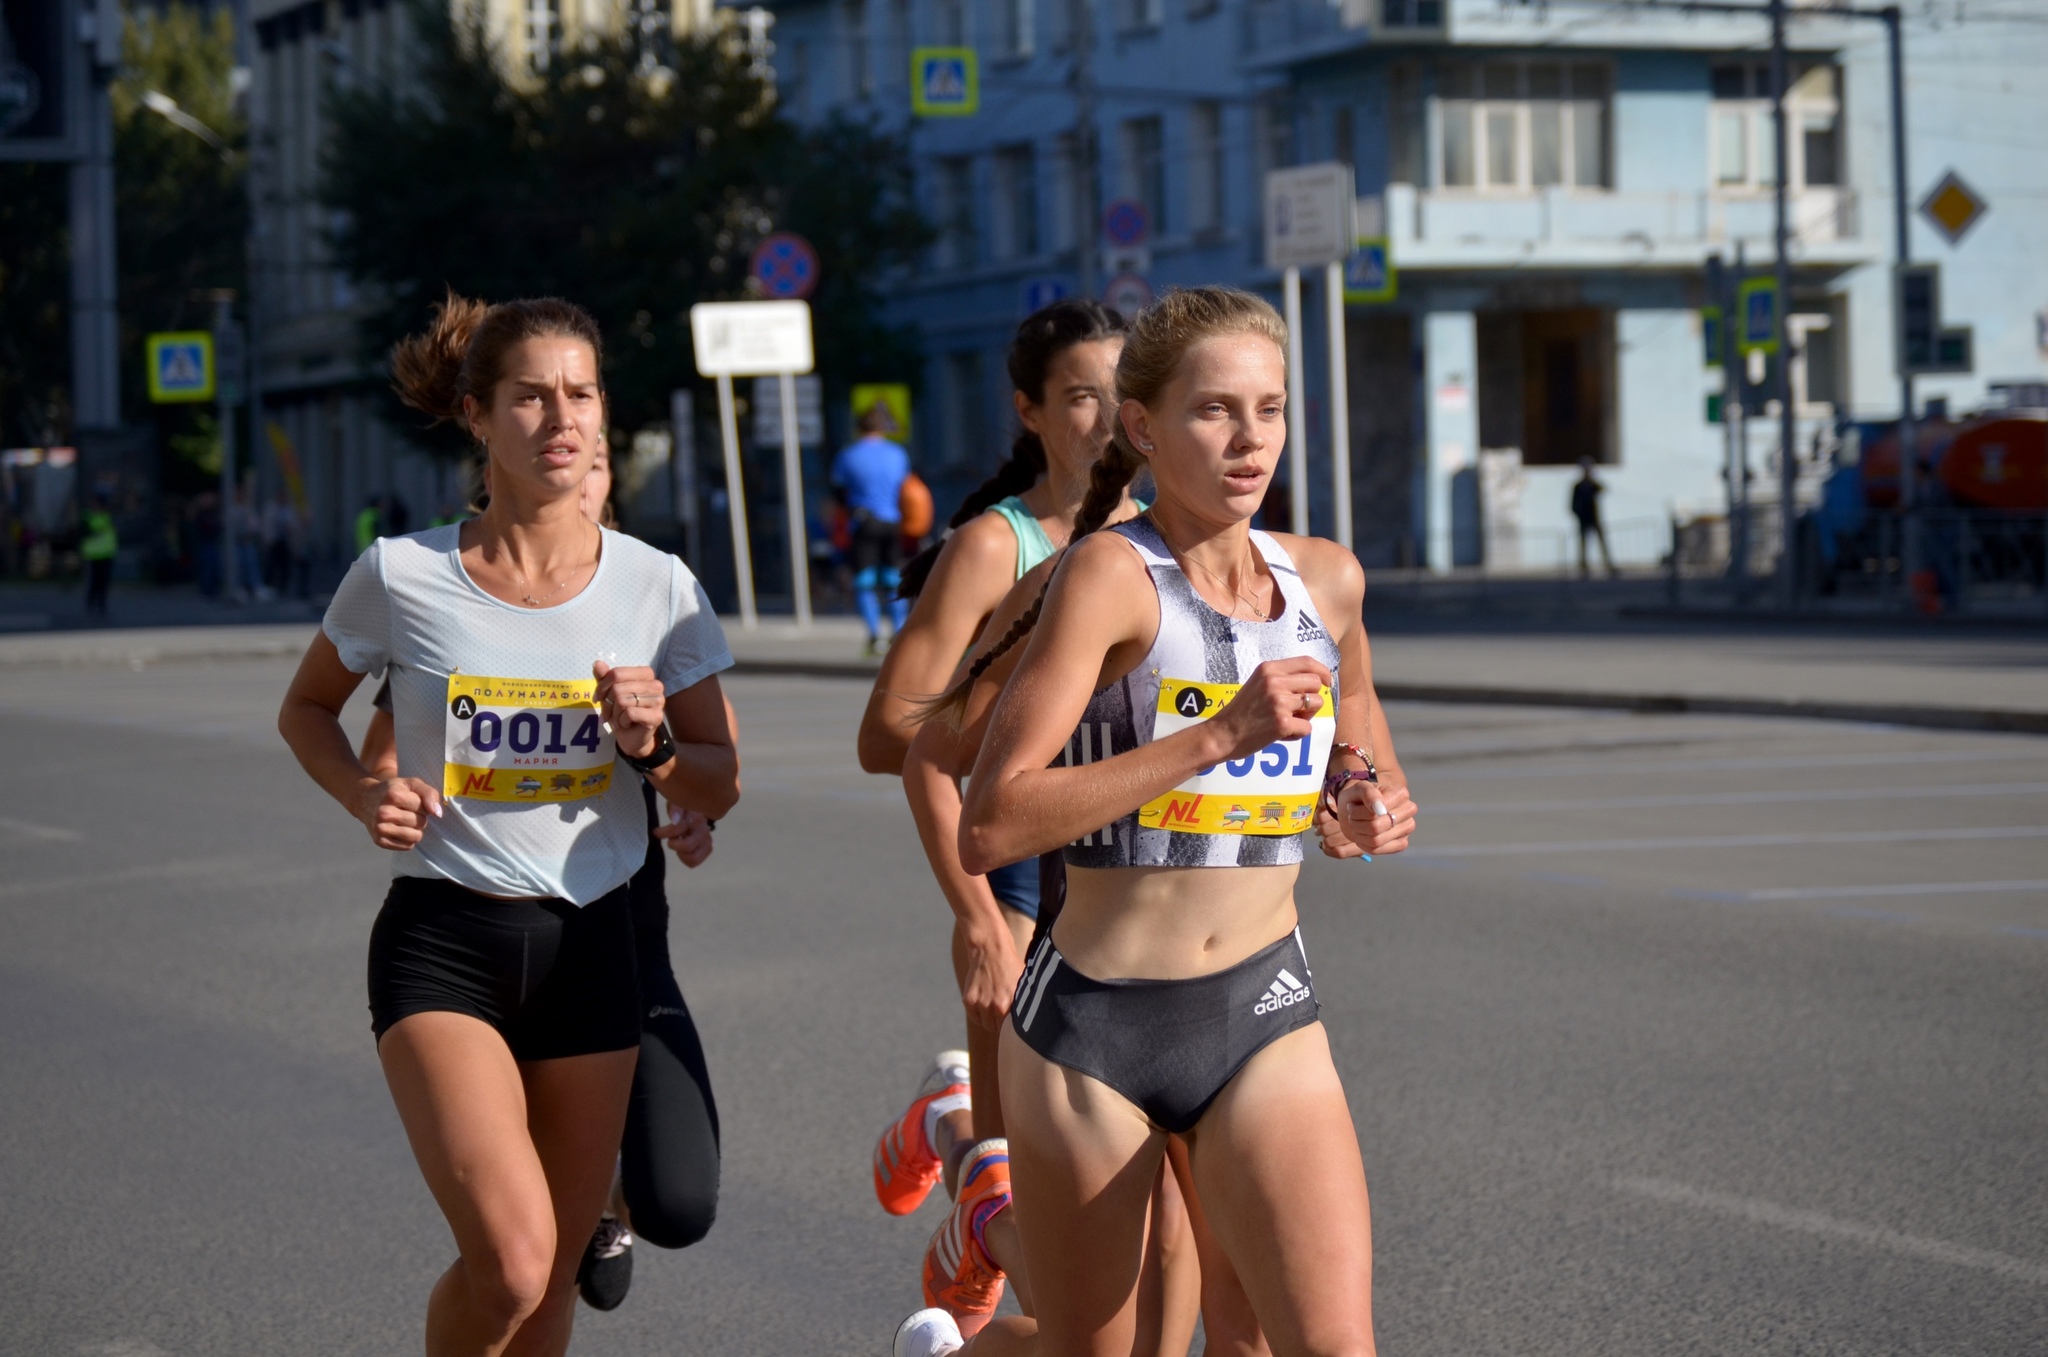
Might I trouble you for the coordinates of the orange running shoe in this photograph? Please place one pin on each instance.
(906, 1165)
(959, 1276)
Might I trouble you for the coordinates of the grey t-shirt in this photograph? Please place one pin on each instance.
(469, 673)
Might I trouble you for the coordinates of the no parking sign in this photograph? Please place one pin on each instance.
(786, 266)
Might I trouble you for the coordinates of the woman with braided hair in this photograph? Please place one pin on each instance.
(1193, 695)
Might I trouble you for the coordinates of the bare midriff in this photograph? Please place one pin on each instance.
(1171, 923)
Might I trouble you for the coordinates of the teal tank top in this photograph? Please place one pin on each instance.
(1033, 545)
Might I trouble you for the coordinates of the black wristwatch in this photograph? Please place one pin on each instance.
(664, 750)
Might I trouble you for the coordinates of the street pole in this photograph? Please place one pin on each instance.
(793, 495)
(682, 424)
(736, 504)
(1340, 401)
(1909, 470)
(223, 322)
(95, 325)
(1297, 405)
(1788, 452)
(1087, 228)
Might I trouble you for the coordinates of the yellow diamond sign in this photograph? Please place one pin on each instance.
(1953, 207)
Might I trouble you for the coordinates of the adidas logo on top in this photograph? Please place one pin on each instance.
(1308, 629)
(1284, 990)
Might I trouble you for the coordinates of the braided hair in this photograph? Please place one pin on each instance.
(1043, 335)
(1159, 340)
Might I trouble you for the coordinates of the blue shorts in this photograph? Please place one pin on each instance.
(1017, 886)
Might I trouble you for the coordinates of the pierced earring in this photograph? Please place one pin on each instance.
(1146, 446)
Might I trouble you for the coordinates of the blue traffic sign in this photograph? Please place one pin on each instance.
(786, 266)
(1040, 293)
(1126, 223)
(1369, 272)
(944, 82)
(180, 366)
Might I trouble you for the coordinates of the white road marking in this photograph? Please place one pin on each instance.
(1758, 798)
(1494, 850)
(1898, 888)
(47, 833)
(1814, 1223)
(2028, 754)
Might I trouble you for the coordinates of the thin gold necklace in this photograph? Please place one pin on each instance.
(528, 599)
(1187, 560)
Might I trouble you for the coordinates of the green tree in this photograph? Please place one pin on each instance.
(633, 180)
(180, 205)
(180, 220)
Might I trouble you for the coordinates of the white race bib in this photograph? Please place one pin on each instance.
(1269, 791)
(511, 739)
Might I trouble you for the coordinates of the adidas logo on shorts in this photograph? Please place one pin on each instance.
(1282, 992)
(1308, 629)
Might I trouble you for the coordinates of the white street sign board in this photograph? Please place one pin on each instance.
(749, 339)
(1309, 215)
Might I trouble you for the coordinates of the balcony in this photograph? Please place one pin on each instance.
(1566, 228)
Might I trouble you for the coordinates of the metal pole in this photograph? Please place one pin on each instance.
(1732, 376)
(793, 496)
(1909, 538)
(1340, 401)
(1788, 452)
(223, 319)
(682, 425)
(1297, 406)
(95, 333)
(1088, 228)
(736, 504)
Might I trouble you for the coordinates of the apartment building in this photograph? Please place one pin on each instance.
(319, 394)
(1552, 179)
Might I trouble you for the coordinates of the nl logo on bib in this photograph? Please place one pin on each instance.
(513, 739)
(1271, 791)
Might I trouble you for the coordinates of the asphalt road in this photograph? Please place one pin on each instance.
(1680, 1035)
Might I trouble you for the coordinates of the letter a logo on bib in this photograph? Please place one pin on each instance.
(512, 739)
(1271, 791)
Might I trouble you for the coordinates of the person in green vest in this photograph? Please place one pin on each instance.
(97, 547)
(369, 524)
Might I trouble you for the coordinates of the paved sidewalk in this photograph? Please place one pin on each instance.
(1982, 681)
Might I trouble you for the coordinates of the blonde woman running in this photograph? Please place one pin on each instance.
(531, 652)
(1194, 692)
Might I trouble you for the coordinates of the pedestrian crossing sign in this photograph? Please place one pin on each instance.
(945, 82)
(1369, 272)
(1756, 311)
(180, 366)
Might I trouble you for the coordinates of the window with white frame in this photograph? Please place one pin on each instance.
(860, 75)
(965, 429)
(1065, 207)
(1742, 136)
(1019, 24)
(1205, 166)
(952, 22)
(1015, 233)
(1516, 126)
(1143, 168)
(954, 180)
(1140, 14)
(543, 32)
(1411, 13)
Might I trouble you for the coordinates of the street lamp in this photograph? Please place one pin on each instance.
(156, 101)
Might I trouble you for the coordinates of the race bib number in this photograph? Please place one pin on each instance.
(1269, 791)
(514, 739)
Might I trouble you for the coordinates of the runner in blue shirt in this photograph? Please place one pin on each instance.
(868, 473)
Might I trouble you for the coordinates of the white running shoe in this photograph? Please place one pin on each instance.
(928, 1333)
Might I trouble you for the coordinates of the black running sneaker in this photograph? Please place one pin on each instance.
(606, 1272)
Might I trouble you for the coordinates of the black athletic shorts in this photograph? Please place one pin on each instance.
(1170, 1046)
(877, 543)
(554, 980)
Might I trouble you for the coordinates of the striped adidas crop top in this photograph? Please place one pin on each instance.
(1242, 813)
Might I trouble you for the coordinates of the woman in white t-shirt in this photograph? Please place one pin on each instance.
(529, 652)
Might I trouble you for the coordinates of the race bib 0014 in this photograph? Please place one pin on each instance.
(1269, 791)
(512, 739)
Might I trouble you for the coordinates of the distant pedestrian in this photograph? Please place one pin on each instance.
(868, 474)
(206, 520)
(1586, 492)
(97, 549)
(280, 542)
(248, 547)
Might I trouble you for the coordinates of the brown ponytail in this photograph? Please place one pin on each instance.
(462, 351)
(1159, 341)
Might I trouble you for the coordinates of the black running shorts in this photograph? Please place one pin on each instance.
(877, 543)
(554, 980)
(1170, 1046)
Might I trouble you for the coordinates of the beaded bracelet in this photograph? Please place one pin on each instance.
(1337, 780)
